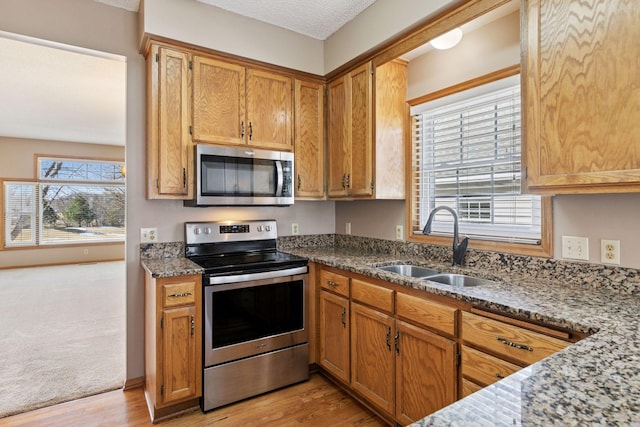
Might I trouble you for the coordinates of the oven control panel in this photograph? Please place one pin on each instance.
(238, 228)
(229, 231)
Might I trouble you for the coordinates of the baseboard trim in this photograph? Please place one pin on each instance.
(133, 383)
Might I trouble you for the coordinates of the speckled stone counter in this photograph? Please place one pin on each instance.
(167, 260)
(595, 382)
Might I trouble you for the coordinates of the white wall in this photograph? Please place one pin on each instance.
(480, 52)
(378, 23)
(197, 23)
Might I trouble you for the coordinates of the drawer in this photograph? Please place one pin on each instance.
(334, 282)
(179, 293)
(373, 295)
(427, 313)
(469, 387)
(519, 344)
(483, 368)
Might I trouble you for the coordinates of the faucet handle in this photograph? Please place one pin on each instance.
(459, 251)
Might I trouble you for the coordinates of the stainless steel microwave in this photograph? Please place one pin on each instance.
(228, 176)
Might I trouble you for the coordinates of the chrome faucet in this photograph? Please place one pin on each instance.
(459, 248)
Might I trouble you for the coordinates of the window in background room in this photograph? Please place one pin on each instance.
(73, 201)
(466, 155)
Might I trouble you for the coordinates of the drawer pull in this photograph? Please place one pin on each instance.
(514, 345)
(184, 294)
(396, 342)
(344, 317)
(501, 377)
(332, 283)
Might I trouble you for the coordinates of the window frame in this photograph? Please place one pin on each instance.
(545, 247)
(38, 220)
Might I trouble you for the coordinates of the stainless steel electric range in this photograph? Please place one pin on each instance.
(255, 310)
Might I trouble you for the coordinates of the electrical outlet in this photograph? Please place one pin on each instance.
(295, 229)
(575, 247)
(610, 251)
(399, 232)
(148, 235)
(347, 228)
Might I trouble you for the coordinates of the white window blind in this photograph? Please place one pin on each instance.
(20, 207)
(466, 155)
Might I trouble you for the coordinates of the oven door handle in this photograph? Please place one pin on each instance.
(251, 277)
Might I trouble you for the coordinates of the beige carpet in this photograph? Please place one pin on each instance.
(62, 334)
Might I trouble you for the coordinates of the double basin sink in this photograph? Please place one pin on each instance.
(456, 280)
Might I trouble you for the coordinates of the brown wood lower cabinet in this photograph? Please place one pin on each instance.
(173, 343)
(407, 354)
(402, 370)
(425, 373)
(512, 347)
(334, 335)
(372, 356)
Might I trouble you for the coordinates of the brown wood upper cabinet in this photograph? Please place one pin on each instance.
(582, 93)
(363, 161)
(309, 140)
(234, 104)
(169, 147)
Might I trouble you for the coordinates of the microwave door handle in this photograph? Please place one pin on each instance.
(280, 178)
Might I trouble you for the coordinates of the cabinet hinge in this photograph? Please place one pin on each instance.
(525, 172)
(157, 57)
(157, 183)
(458, 358)
(371, 69)
(190, 130)
(161, 390)
(372, 185)
(162, 323)
(191, 65)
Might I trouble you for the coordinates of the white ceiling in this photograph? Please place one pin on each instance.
(313, 18)
(53, 91)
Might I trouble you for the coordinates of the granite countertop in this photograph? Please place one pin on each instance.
(593, 382)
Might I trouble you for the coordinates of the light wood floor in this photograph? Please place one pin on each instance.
(316, 402)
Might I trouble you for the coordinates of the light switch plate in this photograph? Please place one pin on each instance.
(575, 248)
(148, 235)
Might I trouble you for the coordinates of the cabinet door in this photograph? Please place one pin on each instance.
(269, 110)
(582, 93)
(334, 335)
(180, 354)
(218, 101)
(337, 138)
(169, 145)
(360, 172)
(309, 140)
(425, 373)
(372, 353)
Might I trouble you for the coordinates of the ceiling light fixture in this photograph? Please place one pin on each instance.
(447, 40)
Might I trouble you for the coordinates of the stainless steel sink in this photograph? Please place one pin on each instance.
(458, 280)
(409, 270)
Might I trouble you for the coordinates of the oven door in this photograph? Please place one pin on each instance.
(254, 314)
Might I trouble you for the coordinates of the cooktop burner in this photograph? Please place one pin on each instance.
(231, 247)
(255, 262)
